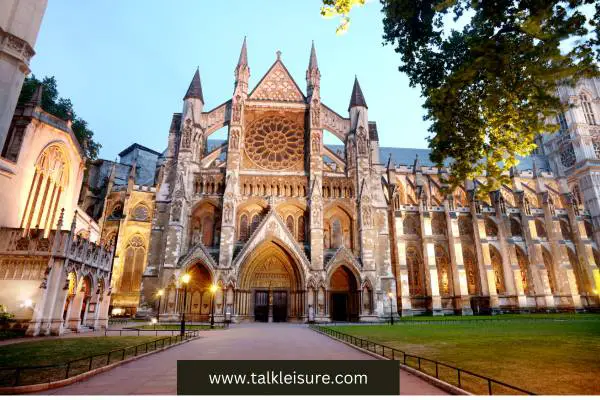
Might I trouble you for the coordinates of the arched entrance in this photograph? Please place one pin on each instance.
(271, 286)
(343, 295)
(199, 297)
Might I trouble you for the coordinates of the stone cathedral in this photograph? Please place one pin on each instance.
(292, 229)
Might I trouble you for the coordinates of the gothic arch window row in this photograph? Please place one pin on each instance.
(50, 179)
(297, 227)
(588, 110)
(205, 225)
(338, 188)
(209, 184)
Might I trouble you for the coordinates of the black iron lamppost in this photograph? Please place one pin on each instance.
(185, 279)
(391, 296)
(213, 290)
(159, 294)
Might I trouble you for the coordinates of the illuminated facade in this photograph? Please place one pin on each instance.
(51, 279)
(292, 229)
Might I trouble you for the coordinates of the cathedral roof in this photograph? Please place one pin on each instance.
(277, 85)
(357, 99)
(195, 89)
(140, 147)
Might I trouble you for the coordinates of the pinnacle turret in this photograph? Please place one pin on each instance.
(313, 64)
(195, 89)
(357, 99)
(243, 61)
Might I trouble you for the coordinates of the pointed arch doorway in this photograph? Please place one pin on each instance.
(271, 286)
(344, 295)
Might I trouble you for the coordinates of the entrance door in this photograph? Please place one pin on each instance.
(339, 309)
(279, 306)
(261, 306)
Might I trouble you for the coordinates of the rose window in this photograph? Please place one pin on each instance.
(275, 143)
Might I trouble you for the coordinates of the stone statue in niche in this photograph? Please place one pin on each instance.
(315, 113)
(187, 134)
(237, 109)
(176, 213)
(316, 144)
(367, 215)
(235, 139)
(228, 213)
(362, 141)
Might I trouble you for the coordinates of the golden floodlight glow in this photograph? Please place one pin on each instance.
(160, 292)
(390, 295)
(213, 288)
(186, 278)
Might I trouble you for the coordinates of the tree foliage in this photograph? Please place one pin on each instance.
(342, 8)
(62, 108)
(489, 72)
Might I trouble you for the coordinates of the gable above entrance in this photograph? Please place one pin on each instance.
(277, 85)
(273, 228)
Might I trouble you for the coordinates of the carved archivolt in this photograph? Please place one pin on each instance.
(275, 143)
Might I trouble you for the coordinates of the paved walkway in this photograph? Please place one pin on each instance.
(157, 374)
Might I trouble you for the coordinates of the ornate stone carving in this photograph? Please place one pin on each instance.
(235, 139)
(362, 141)
(176, 211)
(277, 85)
(186, 134)
(315, 113)
(237, 110)
(228, 213)
(275, 143)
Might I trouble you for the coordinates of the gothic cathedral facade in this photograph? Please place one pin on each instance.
(292, 229)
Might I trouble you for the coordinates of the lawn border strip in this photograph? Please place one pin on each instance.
(77, 378)
(430, 379)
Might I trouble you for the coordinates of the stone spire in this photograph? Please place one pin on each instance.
(195, 89)
(242, 72)
(357, 99)
(313, 76)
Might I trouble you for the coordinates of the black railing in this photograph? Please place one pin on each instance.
(463, 379)
(30, 375)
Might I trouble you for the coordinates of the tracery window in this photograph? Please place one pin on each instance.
(133, 265)
(588, 111)
(496, 259)
(471, 269)
(444, 273)
(336, 234)
(562, 121)
(596, 144)
(567, 156)
(141, 213)
(50, 179)
(524, 269)
(415, 278)
(515, 228)
(275, 143)
(117, 211)
(255, 222)
(565, 230)
(540, 228)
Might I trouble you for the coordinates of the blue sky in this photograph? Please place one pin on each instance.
(127, 64)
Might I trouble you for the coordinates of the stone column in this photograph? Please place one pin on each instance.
(19, 27)
(433, 288)
(402, 272)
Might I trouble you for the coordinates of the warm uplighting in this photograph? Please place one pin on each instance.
(160, 293)
(213, 288)
(27, 303)
(390, 295)
(153, 321)
(186, 278)
(117, 311)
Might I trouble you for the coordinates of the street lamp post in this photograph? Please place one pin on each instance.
(185, 279)
(391, 296)
(160, 294)
(213, 290)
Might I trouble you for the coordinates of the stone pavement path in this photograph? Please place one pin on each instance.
(157, 374)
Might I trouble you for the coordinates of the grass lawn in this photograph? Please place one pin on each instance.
(175, 327)
(558, 354)
(56, 351)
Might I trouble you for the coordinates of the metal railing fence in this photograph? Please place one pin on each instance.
(30, 375)
(463, 379)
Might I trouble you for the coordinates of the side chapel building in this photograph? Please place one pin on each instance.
(292, 229)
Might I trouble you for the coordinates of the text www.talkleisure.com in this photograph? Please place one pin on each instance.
(283, 378)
